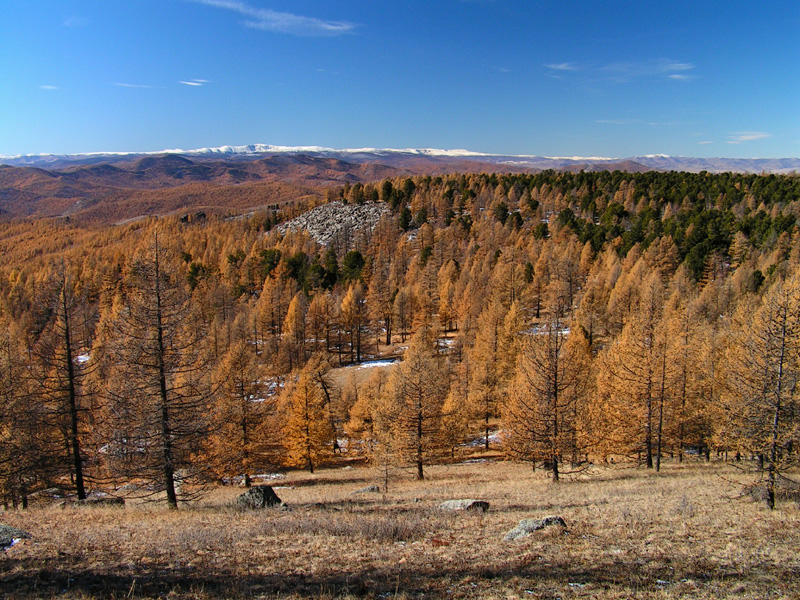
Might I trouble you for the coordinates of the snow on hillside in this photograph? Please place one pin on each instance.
(661, 162)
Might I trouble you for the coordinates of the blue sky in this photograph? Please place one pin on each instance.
(544, 77)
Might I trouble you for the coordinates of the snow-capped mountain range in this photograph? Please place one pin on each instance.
(401, 157)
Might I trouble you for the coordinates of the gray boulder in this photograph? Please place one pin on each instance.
(259, 496)
(11, 535)
(465, 504)
(370, 489)
(528, 526)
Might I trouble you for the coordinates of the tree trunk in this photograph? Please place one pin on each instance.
(73, 400)
(166, 430)
(420, 472)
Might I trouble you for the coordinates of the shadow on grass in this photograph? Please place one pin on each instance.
(24, 580)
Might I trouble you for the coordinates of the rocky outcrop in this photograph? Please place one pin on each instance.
(336, 220)
(528, 526)
(465, 504)
(259, 496)
(11, 535)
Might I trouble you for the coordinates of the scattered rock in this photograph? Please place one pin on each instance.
(370, 489)
(336, 220)
(528, 526)
(51, 493)
(103, 501)
(465, 504)
(259, 496)
(10, 536)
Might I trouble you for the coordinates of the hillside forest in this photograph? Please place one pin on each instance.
(563, 319)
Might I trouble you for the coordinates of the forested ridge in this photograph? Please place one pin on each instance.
(565, 319)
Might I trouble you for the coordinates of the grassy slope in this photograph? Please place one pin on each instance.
(631, 535)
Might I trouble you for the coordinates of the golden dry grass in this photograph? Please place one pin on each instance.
(631, 534)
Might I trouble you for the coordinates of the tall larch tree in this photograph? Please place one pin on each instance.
(546, 415)
(308, 432)
(157, 388)
(417, 387)
(240, 439)
(633, 377)
(763, 369)
(486, 387)
(61, 356)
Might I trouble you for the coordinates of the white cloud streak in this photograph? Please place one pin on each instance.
(623, 72)
(565, 66)
(740, 137)
(282, 22)
(194, 82)
(49, 88)
(132, 85)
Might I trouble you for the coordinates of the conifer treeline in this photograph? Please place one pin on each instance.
(587, 316)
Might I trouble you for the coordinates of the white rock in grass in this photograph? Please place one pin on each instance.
(10, 536)
(528, 526)
(465, 504)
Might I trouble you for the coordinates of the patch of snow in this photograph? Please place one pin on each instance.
(388, 362)
(82, 359)
(543, 330)
(268, 476)
(495, 437)
(579, 158)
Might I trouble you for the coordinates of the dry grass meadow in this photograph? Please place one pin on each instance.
(631, 534)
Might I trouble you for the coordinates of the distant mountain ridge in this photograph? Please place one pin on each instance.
(427, 159)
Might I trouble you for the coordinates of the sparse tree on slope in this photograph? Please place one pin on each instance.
(308, 432)
(546, 416)
(158, 392)
(418, 386)
(635, 378)
(60, 364)
(763, 381)
(239, 440)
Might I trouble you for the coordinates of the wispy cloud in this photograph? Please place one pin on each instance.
(623, 71)
(640, 122)
(502, 69)
(704, 143)
(49, 88)
(132, 85)
(619, 121)
(740, 137)
(194, 82)
(282, 22)
(565, 66)
(626, 71)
